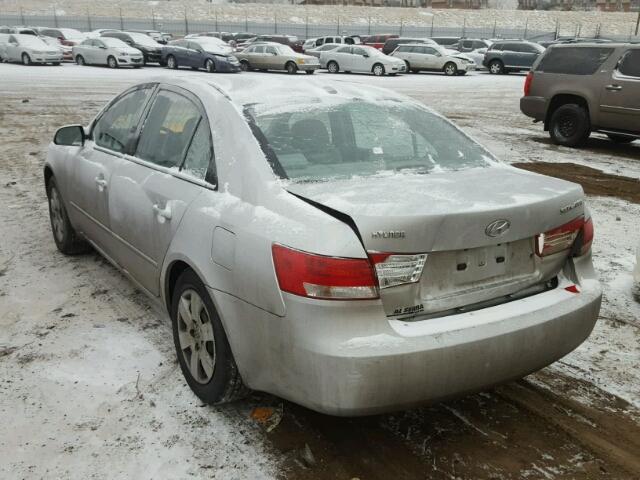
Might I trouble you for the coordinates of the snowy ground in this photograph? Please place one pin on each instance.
(89, 385)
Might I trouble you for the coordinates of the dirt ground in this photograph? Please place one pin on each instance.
(89, 384)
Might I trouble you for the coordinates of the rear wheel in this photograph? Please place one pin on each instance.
(244, 66)
(496, 67)
(80, 60)
(26, 59)
(112, 62)
(210, 65)
(291, 68)
(450, 69)
(378, 70)
(65, 236)
(333, 67)
(620, 138)
(569, 125)
(202, 347)
(172, 63)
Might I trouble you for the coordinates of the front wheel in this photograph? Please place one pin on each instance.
(333, 67)
(291, 68)
(202, 347)
(570, 125)
(210, 65)
(172, 63)
(26, 59)
(450, 69)
(378, 70)
(65, 236)
(112, 62)
(244, 66)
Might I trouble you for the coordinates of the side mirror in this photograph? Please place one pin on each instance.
(274, 53)
(70, 136)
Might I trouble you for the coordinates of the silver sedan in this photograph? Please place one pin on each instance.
(29, 49)
(338, 245)
(108, 51)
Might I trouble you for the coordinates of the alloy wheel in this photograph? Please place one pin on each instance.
(495, 68)
(80, 60)
(332, 67)
(450, 69)
(26, 59)
(210, 66)
(196, 337)
(57, 219)
(378, 70)
(567, 125)
(112, 62)
(171, 62)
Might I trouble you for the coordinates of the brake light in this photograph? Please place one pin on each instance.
(587, 238)
(320, 276)
(527, 84)
(394, 269)
(558, 239)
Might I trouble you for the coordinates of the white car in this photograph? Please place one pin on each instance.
(317, 51)
(29, 49)
(361, 59)
(434, 58)
(108, 51)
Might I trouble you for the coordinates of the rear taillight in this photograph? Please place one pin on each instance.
(323, 277)
(563, 238)
(394, 269)
(527, 84)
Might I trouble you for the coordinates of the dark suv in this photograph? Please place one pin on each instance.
(579, 89)
(511, 56)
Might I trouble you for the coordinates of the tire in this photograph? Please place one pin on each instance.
(56, 64)
(172, 63)
(210, 66)
(80, 60)
(496, 67)
(203, 335)
(244, 66)
(333, 67)
(461, 73)
(136, 67)
(570, 125)
(310, 72)
(408, 66)
(620, 138)
(112, 62)
(26, 59)
(65, 236)
(378, 70)
(291, 68)
(450, 69)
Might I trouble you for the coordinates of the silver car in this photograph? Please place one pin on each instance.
(111, 52)
(29, 49)
(340, 246)
(361, 59)
(275, 56)
(434, 58)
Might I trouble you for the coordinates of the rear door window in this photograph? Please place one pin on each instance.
(198, 161)
(168, 130)
(574, 60)
(630, 64)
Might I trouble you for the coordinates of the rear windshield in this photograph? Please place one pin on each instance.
(342, 139)
(574, 61)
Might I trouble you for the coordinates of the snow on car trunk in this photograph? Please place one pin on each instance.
(460, 238)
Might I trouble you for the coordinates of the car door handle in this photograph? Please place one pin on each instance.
(615, 88)
(101, 183)
(162, 213)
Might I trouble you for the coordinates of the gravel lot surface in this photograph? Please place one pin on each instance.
(89, 384)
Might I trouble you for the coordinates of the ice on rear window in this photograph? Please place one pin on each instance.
(334, 137)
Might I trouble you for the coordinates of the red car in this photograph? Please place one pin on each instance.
(67, 36)
(377, 41)
(289, 40)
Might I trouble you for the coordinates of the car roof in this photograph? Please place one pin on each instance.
(593, 44)
(276, 90)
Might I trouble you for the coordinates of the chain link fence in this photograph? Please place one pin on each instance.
(179, 27)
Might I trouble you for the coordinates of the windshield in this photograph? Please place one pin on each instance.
(142, 39)
(342, 139)
(211, 44)
(31, 41)
(285, 50)
(113, 42)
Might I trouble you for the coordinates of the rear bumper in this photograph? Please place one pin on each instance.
(347, 358)
(534, 107)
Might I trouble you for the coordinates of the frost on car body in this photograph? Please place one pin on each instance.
(360, 253)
